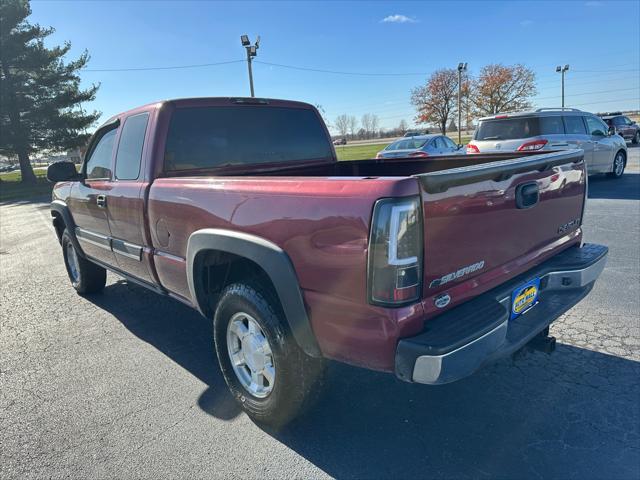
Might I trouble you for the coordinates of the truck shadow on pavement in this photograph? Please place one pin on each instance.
(625, 188)
(571, 414)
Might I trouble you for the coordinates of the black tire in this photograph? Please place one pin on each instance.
(619, 164)
(636, 138)
(297, 376)
(86, 277)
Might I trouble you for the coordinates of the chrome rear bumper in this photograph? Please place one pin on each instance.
(457, 343)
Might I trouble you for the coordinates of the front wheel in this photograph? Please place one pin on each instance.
(636, 138)
(266, 371)
(86, 277)
(619, 162)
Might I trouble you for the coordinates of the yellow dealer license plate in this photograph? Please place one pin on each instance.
(524, 297)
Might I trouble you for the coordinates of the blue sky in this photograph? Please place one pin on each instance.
(600, 40)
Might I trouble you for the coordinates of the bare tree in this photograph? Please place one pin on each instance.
(367, 126)
(403, 126)
(342, 124)
(375, 124)
(353, 125)
(436, 100)
(501, 88)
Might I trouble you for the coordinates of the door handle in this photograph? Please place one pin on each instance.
(101, 201)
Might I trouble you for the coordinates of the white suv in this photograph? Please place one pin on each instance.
(548, 129)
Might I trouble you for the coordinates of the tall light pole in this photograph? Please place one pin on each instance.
(252, 51)
(462, 67)
(562, 70)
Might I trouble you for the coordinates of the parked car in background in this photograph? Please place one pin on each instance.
(550, 129)
(623, 126)
(340, 141)
(421, 146)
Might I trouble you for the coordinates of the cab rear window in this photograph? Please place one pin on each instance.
(210, 137)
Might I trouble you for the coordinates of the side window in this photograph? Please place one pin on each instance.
(450, 143)
(99, 163)
(596, 127)
(130, 146)
(619, 121)
(440, 143)
(551, 125)
(574, 125)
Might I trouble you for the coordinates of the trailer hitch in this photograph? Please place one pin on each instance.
(543, 342)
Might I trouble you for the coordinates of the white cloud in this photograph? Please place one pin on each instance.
(594, 3)
(526, 23)
(397, 18)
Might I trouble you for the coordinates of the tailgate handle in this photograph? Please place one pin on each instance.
(527, 195)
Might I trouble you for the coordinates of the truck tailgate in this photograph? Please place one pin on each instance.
(483, 224)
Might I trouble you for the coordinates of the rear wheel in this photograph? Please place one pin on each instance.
(86, 277)
(619, 162)
(268, 374)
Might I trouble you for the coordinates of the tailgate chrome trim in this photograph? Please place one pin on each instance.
(437, 182)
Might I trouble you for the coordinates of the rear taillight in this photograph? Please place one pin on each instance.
(395, 252)
(418, 154)
(472, 148)
(534, 145)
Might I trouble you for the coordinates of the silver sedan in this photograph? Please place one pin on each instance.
(421, 146)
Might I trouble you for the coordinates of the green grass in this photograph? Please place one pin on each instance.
(363, 152)
(12, 189)
(358, 152)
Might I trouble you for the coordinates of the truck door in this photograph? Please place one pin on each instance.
(88, 198)
(125, 200)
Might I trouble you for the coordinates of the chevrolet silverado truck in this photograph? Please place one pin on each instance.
(428, 268)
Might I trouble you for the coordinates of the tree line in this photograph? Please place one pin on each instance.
(367, 127)
(497, 88)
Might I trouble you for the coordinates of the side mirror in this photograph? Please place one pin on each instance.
(612, 130)
(62, 172)
(460, 146)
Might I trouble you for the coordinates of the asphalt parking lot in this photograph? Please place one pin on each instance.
(123, 384)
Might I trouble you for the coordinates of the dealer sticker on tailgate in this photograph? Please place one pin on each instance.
(524, 297)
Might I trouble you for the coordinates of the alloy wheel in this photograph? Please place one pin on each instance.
(618, 165)
(250, 355)
(73, 263)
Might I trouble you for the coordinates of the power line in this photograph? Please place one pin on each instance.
(173, 67)
(607, 71)
(337, 72)
(398, 106)
(586, 93)
(606, 101)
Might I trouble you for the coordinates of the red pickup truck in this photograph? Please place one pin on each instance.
(238, 207)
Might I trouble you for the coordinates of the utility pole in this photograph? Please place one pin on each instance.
(562, 71)
(252, 51)
(462, 67)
